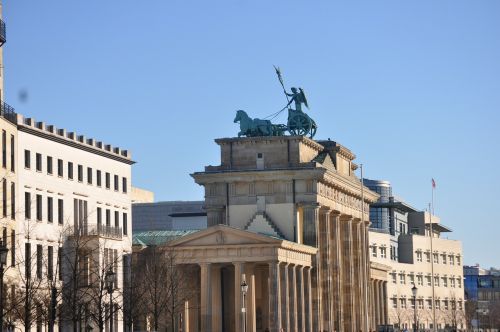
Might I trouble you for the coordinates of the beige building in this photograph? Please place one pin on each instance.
(285, 214)
(415, 264)
(75, 198)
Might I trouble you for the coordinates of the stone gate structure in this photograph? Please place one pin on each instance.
(309, 259)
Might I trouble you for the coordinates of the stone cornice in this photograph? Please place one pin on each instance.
(241, 140)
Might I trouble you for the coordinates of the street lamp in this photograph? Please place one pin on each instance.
(110, 279)
(414, 290)
(244, 290)
(3, 261)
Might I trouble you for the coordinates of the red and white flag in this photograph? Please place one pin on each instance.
(433, 184)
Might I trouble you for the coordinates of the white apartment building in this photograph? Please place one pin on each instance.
(415, 264)
(74, 222)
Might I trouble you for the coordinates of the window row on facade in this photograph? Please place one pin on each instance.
(443, 258)
(12, 156)
(80, 212)
(41, 261)
(83, 174)
(421, 280)
(8, 199)
(446, 304)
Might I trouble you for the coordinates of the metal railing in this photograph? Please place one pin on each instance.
(102, 230)
(3, 35)
(8, 112)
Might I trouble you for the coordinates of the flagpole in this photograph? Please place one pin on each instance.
(431, 210)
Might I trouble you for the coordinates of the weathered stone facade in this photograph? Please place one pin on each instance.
(301, 191)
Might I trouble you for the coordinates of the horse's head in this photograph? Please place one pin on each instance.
(239, 115)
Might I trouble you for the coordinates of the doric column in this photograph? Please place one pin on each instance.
(238, 296)
(293, 300)
(302, 300)
(337, 271)
(286, 297)
(206, 296)
(216, 215)
(360, 281)
(357, 277)
(308, 300)
(274, 297)
(312, 238)
(216, 298)
(186, 319)
(376, 302)
(326, 276)
(250, 303)
(384, 303)
(348, 275)
(367, 272)
(310, 224)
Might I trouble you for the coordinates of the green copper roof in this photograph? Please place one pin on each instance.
(158, 237)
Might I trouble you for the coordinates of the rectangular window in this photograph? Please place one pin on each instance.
(124, 185)
(70, 170)
(59, 262)
(60, 167)
(374, 251)
(420, 280)
(39, 213)
(108, 180)
(98, 178)
(419, 256)
(117, 219)
(80, 214)
(12, 154)
(125, 224)
(402, 279)
(403, 303)
(437, 304)
(117, 184)
(4, 149)
(394, 303)
(50, 211)
(420, 304)
(39, 261)
(436, 281)
(49, 165)
(451, 259)
(428, 304)
(394, 278)
(50, 262)
(4, 197)
(99, 216)
(436, 258)
(427, 257)
(38, 160)
(60, 211)
(383, 252)
(27, 159)
(412, 279)
(443, 258)
(459, 283)
(89, 175)
(13, 247)
(444, 281)
(80, 173)
(458, 260)
(108, 217)
(13, 201)
(27, 205)
(428, 280)
(27, 260)
(452, 282)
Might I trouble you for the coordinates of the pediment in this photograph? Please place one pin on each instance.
(223, 235)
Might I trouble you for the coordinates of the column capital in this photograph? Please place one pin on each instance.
(308, 205)
(345, 217)
(325, 209)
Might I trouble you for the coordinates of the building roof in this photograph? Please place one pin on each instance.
(158, 237)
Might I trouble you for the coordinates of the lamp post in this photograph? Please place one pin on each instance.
(110, 279)
(414, 290)
(244, 289)
(3, 261)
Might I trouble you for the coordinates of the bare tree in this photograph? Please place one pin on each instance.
(470, 313)
(399, 315)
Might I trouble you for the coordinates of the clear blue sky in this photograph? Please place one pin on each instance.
(411, 87)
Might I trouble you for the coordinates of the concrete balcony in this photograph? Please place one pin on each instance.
(104, 231)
